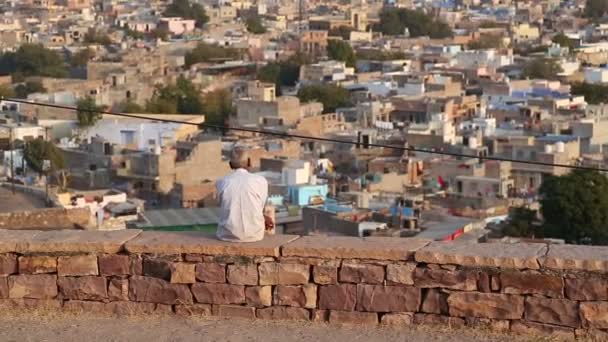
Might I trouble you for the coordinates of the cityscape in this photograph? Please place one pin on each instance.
(418, 162)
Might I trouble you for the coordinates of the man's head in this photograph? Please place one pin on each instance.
(239, 159)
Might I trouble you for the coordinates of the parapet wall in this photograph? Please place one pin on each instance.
(524, 288)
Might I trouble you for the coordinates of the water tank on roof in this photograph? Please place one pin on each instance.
(473, 142)
(560, 147)
(548, 148)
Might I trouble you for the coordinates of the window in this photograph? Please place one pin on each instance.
(151, 142)
(127, 137)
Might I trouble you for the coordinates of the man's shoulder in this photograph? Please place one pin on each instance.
(257, 178)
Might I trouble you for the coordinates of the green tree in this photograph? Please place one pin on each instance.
(331, 96)
(521, 223)
(130, 107)
(189, 10)
(543, 68)
(88, 112)
(132, 33)
(254, 24)
(596, 9)
(33, 60)
(379, 55)
(394, 21)
(563, 41)
(486, 41)
(37, 151)
(30, 87)
(341, 31)
(218, 106)
(160, 33)
(95, 37)
(82, 57)
(183, 97)
(205, 52)
(6, 91)
(341, 51)
(594, 93)
(575, 207)
(489, 24)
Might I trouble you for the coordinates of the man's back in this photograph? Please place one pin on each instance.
(242, 199)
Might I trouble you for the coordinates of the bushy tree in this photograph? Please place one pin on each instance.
(594, 93)
(205, 52)
(37, 151)
(543, 68)
(575, 207)
(330, 95)
(6, 91)
(33, 60)
(394, 21)
(563, 41)
(254, 24)
(130, 107)
(30, 87)
(183, 97)
(218, 106)
(88, 112)
(521, 224)
(189, 10)
(379, 55)
(341, 31)
(341, 51)
(486, 41)
(285, 73)
(82, 58)
(95, 37)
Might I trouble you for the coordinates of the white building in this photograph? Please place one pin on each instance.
(596, 75)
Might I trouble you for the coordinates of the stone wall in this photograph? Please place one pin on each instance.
(523, 288)
(46, 219)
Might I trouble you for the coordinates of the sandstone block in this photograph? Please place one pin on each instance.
(136, 266)
(8, 264)
(338, 297)
(41, 286)
(361, 273)
(31, 304)
(79, 265)
(325, 275)
(131, 308)
(118, 289)
(529, 283)
(218, 293)
(304, 296)
(455, 280)
(572, 257)
(539, 329)
(211, 272)
(310, 261)
(586, 289)
(594, 314)
(198, 258)
(397, 319)
(233, 311)
(400, 274)
(483, 282)
(485, 305)
(378, 298)
(163, 309)
(432, 319)
(495, 283)
(435, 302)
(86, 307)
(37, 264)
(193, 310)
(3, 287)
(552, 311)
(243, 274)
(320, 315)
(83, 288)
(154, 290)
(114, 265)
(353, 318)
(272, 273)
(258, 296)
(283, 313)
(182, 273)
(157, 268)
(497, 325)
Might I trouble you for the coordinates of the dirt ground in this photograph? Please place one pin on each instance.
(147, 329)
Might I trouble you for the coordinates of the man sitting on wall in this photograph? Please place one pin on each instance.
(242, 198)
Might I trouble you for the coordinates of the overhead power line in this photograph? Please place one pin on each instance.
(304, 137)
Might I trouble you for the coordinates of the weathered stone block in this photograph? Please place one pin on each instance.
(3, 287)
(118, 289)
(397, 319)
(193, 310)
(353, 318)
(595, 314)
(86, 307)
(131, 308)
(485, 305)
(495, 283)
(83, 288)
(154, 290)
(8, 264)
(325, 275)
(320, 315)
(362, 274)
(304, 296)
(218, 293)
(258, 296)
(310, 261)
(41, 286)
(283, 313)
(114, 265)
(497, 325)
(338, 297)
(136, 266)
(532, 328)
(37, 264)
(211, 273)
(78, 265)
(552, 311)
(29, 304)
(157, 268)
(198, 258)
(432, 319)
(272, 273)
(530, 283)
(483, 282)
(455, 280)
(586, 289)
(233, 311)
(182, 273)
(400, 274)
(378, 298)
(435, 302)
(243, 274)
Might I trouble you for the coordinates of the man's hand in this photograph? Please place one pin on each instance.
(268, 222)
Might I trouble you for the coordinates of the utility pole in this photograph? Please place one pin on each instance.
(10, 144)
